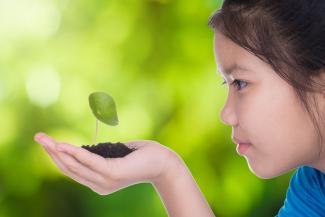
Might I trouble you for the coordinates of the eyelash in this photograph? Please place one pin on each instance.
(236, 84)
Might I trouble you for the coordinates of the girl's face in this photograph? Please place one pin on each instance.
(264, 111)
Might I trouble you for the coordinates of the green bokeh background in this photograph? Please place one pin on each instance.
(155, 57)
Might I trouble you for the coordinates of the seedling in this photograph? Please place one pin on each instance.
(104, 109)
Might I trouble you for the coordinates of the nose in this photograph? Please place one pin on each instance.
(228, 114)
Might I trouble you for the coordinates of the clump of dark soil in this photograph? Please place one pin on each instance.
(109, 149)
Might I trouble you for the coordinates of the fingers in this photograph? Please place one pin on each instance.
(75, 167)
(89, 159)
(69, 166)
(111, 169)
(66, 171)
(45, 140)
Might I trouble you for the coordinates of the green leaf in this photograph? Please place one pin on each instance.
(103, 107)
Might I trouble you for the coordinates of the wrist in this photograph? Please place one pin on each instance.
(174, 166)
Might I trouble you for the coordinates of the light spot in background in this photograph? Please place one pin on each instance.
(43, 86)
(35, 18)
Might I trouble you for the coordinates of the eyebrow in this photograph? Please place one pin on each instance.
(234, 67)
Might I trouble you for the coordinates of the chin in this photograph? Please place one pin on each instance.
(263, 174)
(268, 173)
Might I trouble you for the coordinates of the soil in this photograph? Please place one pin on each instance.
(109, 149)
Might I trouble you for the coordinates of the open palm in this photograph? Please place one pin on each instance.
(148, 163)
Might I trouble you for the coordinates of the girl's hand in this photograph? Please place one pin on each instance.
(150, 162)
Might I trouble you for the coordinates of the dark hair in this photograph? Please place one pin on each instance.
(289, 35)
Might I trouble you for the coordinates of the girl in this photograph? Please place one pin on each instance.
(272, 56)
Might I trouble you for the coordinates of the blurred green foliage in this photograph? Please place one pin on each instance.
(156, 58)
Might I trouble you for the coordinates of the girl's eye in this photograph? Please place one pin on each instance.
(237, 83)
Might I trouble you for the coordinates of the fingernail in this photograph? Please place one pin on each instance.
(39, 136)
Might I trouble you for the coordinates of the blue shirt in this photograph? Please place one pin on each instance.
(305, 195)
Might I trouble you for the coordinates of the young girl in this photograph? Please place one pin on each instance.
(272, 56)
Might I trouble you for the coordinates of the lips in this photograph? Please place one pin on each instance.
(238, 141)
(242, 146)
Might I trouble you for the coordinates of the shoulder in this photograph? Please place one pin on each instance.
(306, 194)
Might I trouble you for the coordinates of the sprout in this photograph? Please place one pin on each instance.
(104, 109)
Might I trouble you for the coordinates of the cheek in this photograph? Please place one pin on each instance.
(286, 125)
(274, 117)
(282, 134)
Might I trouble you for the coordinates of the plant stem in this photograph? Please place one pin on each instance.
(96, 131)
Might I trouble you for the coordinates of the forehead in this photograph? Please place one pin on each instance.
(229, 56)
(232, 59)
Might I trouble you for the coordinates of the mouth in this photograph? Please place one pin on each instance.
(242, 148)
